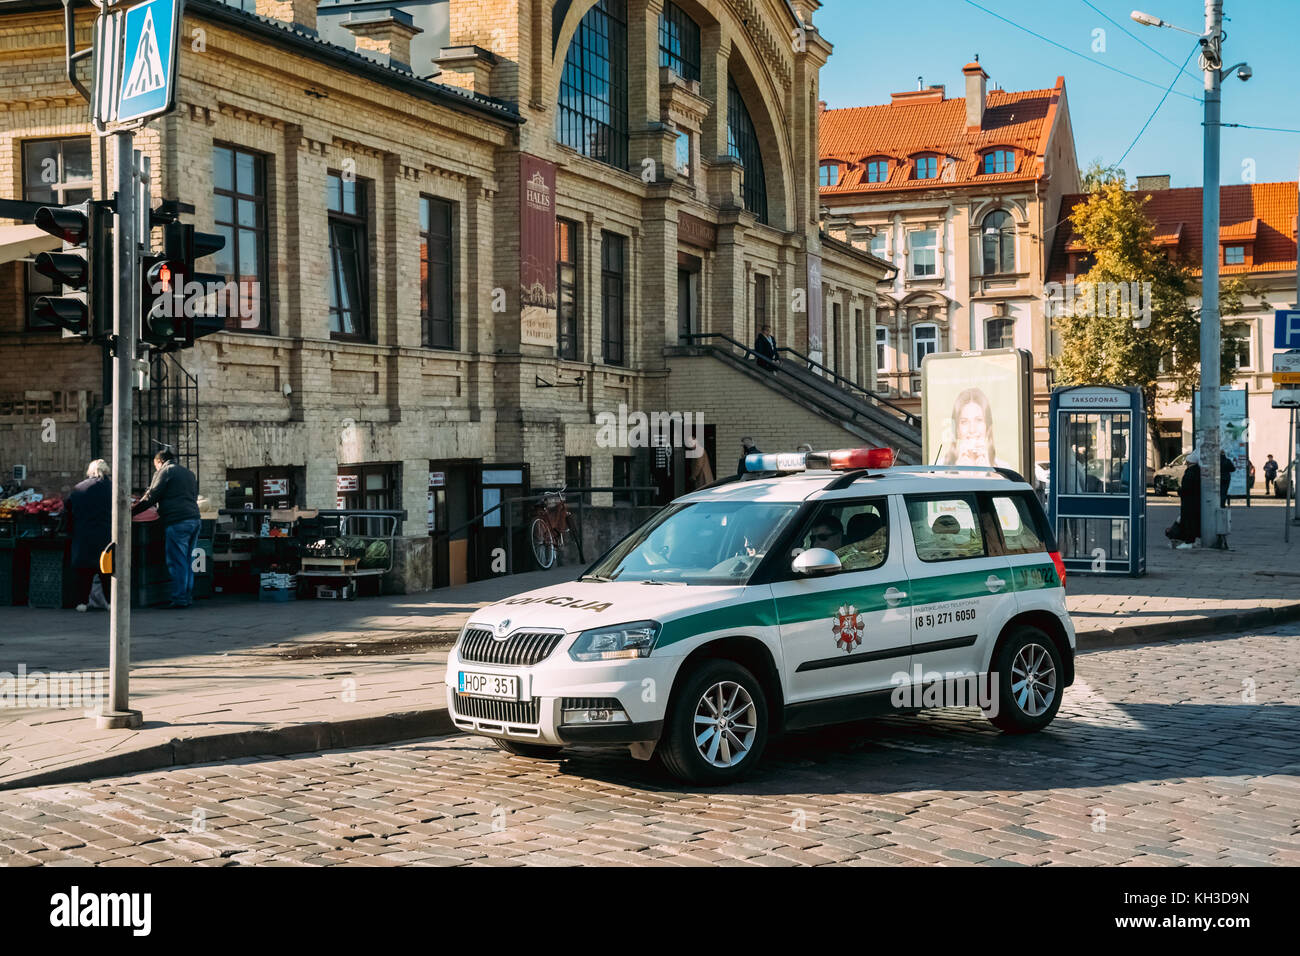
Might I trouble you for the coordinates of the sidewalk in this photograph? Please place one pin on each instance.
(233, 678)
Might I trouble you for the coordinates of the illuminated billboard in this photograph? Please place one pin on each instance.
(976, 409)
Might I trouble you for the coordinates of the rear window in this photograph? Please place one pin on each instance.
(1018, 522)
(946, 528)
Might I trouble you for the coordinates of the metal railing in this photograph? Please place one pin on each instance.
(813, 367)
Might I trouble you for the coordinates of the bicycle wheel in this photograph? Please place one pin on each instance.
(573, 532)
(543, 543)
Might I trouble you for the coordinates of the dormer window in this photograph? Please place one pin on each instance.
(999, 161)
(1234, 255)
(830, 174)
(877, 170)
(927, 166)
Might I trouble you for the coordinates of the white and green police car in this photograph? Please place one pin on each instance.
(821, 588)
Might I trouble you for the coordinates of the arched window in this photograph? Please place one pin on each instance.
(999, 161)
(742, 142)
(999, 234)
(592, 115)
(1000, 333)
(830, 174)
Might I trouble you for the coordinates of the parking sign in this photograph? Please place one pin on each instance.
(1286, 329)
(150, 36)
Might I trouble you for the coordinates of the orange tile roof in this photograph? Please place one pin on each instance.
(924, 121)
(1262, 213)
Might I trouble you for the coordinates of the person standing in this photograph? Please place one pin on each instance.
(175, 491)
(1226, 468)
(747, 447)
(1270, 475)
(90, 520)
(765, 346)
(1189, 495)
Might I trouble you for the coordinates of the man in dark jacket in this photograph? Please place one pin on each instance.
(765, 346)
(1226, 468)
(90, 521)
(747, 447)
(175, 491)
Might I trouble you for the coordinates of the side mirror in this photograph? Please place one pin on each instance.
(816, 561)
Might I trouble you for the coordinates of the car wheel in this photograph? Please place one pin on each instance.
(718, 726)
(535, 751)
(1027, 673)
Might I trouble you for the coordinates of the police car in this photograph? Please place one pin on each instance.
(819, 588)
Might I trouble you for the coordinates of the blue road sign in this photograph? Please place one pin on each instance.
(1286, 332)
(149, 54)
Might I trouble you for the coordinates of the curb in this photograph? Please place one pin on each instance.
(1193, 627)
(268, 742)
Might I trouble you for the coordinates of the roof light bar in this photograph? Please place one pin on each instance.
(842, 459)
(782, 461)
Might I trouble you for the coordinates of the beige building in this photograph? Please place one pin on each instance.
(958, 194)
(447, 269)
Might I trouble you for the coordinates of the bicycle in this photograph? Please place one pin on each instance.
(550, 528)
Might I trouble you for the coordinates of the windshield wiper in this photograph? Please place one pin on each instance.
(595, 577)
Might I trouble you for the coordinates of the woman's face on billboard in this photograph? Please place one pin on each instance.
(970, 423)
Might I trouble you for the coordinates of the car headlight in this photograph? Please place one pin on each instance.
(620, 642)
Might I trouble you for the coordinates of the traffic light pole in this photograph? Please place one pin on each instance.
(126, 249)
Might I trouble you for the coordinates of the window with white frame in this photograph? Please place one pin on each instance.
(882, 349)
(923, 252)
(1237, 344)
(925, 341)
(879, 243)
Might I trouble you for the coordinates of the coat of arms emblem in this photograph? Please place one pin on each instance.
(847, 627)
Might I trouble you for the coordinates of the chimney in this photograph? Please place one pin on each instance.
(467, 67)
(821, 106)
(976, 88)
(1153, 182)
(301, 13)
(385, 35)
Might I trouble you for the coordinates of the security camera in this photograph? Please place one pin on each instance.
(1244, 72)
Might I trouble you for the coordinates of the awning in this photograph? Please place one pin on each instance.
(20, 242)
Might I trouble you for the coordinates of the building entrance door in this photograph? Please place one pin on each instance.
(688, 295)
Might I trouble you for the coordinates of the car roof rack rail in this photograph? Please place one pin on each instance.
(1009, 473)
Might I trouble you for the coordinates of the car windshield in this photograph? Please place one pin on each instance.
(699, 543)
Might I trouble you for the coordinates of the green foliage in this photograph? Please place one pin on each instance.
(1101, 344)
(1097, 175)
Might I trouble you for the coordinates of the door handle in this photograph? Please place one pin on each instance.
(894, 597)
(994, 583)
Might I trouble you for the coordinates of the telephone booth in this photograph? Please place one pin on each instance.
(1096, 496)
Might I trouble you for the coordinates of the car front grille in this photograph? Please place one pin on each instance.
(502, 711)
(521, 649)
(590, 703)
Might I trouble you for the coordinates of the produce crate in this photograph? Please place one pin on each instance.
(277, 595)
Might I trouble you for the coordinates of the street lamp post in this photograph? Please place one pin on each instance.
(1212, 530)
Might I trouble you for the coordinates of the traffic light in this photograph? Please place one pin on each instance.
(162, 310)
(85, 265)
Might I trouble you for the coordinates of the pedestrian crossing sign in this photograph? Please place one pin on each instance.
(149, 52)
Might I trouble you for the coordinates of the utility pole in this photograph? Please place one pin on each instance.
(126, 249)
(1212, 534)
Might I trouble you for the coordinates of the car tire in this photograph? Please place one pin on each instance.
(698, 757)
(1020, 708)
(535, 751)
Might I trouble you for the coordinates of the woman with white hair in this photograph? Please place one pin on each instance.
(1189, 495)
(90, 519)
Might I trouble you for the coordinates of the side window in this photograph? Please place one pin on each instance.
(1021, 533)
(857, 531)
(946, 529)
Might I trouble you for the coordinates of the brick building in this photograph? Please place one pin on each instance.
(447, 268)
(1257, 241)
(958, 193)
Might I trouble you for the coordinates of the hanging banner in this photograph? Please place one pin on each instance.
(815, 317)
(537, 293)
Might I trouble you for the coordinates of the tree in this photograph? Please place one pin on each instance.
(1097, 175)
(1131, 318)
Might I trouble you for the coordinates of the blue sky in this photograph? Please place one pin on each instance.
(935, 39)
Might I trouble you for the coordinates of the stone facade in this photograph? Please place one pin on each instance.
(296, 396)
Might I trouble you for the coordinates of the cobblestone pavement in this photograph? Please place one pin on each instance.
(1162, 755)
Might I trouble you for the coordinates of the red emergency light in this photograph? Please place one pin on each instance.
(850, 458)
